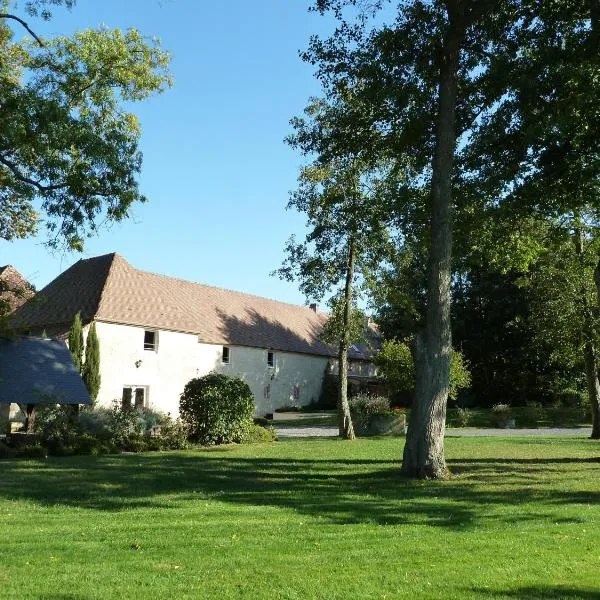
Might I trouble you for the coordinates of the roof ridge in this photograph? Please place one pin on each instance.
(223, 289)
(111, 269)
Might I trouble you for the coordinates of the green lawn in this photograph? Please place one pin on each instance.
(304, 519)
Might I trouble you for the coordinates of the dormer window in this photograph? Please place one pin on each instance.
(151, 340)
(271, 360)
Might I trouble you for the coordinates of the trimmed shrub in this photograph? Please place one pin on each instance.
(366, 409)
(369, 405)
(257, 434)
(216, 409)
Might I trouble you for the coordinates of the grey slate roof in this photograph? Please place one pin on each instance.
(34, 370)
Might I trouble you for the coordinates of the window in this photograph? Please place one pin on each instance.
(134, 396)
(267, 392)
(296, 392)
(150, 340)
(270, 359)
(126, 398)
(225, 355)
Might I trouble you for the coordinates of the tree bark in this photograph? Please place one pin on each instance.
(346, 429)
(30, 415)
(432, 348)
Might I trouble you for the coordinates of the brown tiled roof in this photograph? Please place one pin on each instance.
(77, 289)
(107, 288)
(15, 290)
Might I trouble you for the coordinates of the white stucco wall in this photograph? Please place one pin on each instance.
(180, 357)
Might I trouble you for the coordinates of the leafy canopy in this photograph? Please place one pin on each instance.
(68, 143)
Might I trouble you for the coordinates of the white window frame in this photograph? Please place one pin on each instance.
(271, 363)
(154, 346)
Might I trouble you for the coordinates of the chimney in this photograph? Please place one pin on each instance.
(313, 307)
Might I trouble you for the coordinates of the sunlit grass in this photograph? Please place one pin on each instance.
(305, 519)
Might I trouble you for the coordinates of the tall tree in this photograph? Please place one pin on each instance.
(76, 341)
(344, 233)
(536, 153)
(91, 366)
(422, 74)
(68, 145)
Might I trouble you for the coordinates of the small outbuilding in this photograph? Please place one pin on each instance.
(38, 371)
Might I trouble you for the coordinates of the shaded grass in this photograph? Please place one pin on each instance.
(305, 518)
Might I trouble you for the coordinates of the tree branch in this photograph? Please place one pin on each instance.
(18, 19)
(23, 178)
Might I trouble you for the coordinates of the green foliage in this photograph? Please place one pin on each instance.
(366, 404)
(257, 434)
(76, 341)
(333, 330)
(395, 363)
(68, 142)
(91, 367)
(531, 415)
(460, 376)
(6, 451)
(216, 409)
(464, 416)
(501, 414)
(328, 396)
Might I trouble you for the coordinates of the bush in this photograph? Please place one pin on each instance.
(173, 435)
(328, 397)
(87, 444)
(501, 414)
(531, 414)
(57, 426)
(122, 424)
(134, 443)
(572, 398)
(363, 407)
(366, 404)
(6, 451)
(216, 409)
(35, 451)
(257, 434)
(463, 416)
(96, 422)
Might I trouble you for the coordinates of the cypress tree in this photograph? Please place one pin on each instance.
(91, 367)
(76, 341)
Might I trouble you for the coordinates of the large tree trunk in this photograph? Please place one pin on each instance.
(346, 429)
(593, 386)
(432, 348)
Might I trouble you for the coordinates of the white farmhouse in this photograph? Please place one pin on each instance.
(157, 332)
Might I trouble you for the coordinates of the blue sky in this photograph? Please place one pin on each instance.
(216, 170)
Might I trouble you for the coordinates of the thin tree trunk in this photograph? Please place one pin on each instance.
(432, 348)
(590, 357)
(346, 430)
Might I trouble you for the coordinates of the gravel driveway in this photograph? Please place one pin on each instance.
(330, 431)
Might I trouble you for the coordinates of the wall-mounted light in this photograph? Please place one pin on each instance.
(138, 363)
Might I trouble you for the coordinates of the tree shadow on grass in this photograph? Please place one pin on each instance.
(340, 491)
(543, 592)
